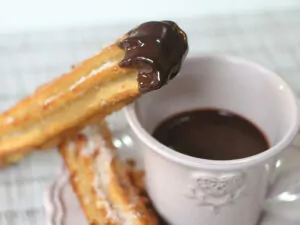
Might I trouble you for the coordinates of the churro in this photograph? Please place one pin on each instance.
(108, 191)
(142, 60)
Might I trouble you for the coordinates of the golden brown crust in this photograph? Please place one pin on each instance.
(96, 87)
(112, 187)
(81, 180)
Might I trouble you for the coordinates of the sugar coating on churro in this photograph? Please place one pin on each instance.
(93, 73)
(107, 177)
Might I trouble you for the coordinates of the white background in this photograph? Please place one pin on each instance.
(25, 15)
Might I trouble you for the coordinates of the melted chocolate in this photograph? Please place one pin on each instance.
(157, 50)
(211, 134)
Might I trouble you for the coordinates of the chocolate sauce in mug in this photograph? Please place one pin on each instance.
(211, 134)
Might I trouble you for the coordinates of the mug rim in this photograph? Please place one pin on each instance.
(200, 163)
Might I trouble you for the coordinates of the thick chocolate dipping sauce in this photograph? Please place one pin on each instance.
(157, 50)
(211, 134)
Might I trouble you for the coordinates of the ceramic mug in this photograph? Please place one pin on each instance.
(193, 191)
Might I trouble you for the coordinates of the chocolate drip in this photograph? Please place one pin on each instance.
(157, 50)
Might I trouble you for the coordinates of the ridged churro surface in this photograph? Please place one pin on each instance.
(95, 88)
(107, 189)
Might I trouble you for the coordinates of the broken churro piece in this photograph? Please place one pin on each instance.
(103, 184)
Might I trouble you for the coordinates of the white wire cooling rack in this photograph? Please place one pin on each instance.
(29, 59)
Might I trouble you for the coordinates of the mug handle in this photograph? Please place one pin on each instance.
(284, 200)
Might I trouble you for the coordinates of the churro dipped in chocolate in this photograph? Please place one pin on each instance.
(142, 60)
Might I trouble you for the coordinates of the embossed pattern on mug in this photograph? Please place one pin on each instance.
(216, 190)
